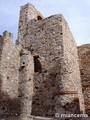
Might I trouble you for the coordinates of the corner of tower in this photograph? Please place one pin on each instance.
(31, 12)
(27, 13)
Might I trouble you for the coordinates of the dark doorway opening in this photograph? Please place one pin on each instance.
(37, 64)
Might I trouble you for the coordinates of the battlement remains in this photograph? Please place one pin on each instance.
(7, 34)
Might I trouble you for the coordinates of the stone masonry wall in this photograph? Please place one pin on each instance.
(26, 73)
(71, 66)
(46, 43)
(84, 62)
(1, 44)
(44, 38)
(51, 43)
(9, 78)
(27, 13)
(40, 75)
(68, 79)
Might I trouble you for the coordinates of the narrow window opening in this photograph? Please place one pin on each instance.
(39, 18)
(21, 52)
(37, 64)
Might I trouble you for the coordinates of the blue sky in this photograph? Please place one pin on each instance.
(76, 12)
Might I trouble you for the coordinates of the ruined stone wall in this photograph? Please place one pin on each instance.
(16, 80)
(10, 62)
(84, 62)
(26, 73)
(1, 44)
(46, 41)
(45, 45)
(40, 75)
(71, 66)
(27, 13)
(9, 78)
(55, 63)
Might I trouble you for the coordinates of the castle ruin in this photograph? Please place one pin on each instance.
(44, 73)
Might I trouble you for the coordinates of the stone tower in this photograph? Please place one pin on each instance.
(56, 68)
(41, 76)
(27, 13)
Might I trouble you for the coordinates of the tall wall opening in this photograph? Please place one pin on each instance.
(37, 64)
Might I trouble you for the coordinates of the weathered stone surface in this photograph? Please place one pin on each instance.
(55, 52)
(84, 61)
(27, 13)
(1, 45)
(9, 78)
(26, 73)
(40, 74)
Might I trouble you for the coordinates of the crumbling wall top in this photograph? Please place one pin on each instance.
(27, 5)
(7, 34)
(32, 10)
